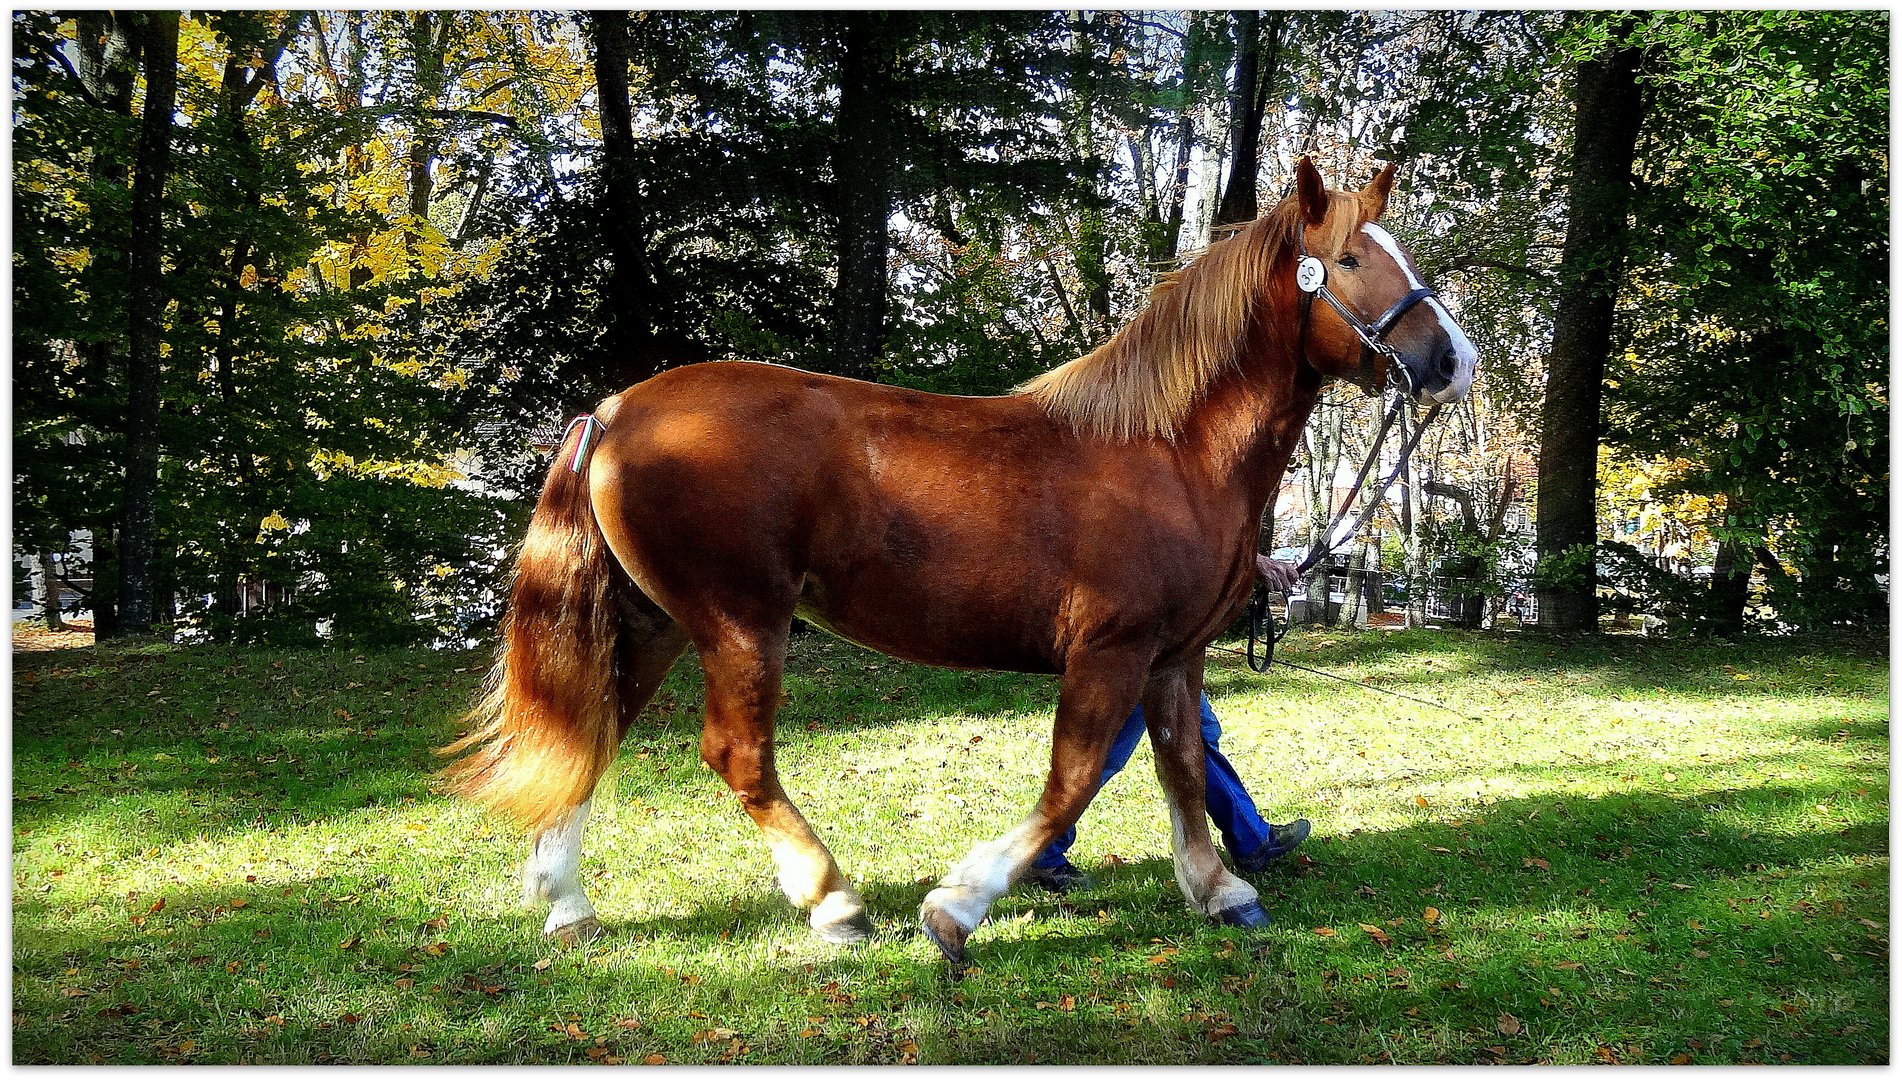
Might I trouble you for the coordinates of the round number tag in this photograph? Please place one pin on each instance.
(1310, 273)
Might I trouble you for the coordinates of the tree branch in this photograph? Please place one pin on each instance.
(1148, 24)
(1063, 296)
(66, 65)
(1456, 266)
(483, 115)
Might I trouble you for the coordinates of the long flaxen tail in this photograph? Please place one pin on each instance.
(547, 725)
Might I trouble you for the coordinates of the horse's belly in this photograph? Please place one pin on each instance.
(942, 634)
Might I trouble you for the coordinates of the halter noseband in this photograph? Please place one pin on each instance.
(1310, 276)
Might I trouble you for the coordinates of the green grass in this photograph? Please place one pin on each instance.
(1628, 850)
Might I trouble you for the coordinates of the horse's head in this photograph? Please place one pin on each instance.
(1376, 311)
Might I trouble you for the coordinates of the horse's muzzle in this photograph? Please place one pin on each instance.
(1450, 376)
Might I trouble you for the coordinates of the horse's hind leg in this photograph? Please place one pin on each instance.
(743, 680)
(552, 875)
(649, 644)
(1175, 733)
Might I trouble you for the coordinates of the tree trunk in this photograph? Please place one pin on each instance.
(862, 169)
(1324, 444)
(428, 39)
(1176, 199)
(1730, 588)
(1092, 241)
(108, 66)
(1608, 109)
(145, 315)
(629, 350)
(50, 584)
(1255, 75)
(1414, 523)
(108, 60)
(104, 598)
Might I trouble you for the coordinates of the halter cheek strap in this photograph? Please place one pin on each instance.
(1310, 275)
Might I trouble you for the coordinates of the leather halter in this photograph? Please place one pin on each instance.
(1311, 278)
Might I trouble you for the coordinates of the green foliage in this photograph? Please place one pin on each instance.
(1566, 569)
(1486, 566)
(1758, 342)
(289, 394)
(1630, 582)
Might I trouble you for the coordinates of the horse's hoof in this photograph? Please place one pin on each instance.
(582, 932)
(945, 933)
(1248, 916)
(850, 930)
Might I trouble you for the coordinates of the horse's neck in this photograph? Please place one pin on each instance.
(1246, 426)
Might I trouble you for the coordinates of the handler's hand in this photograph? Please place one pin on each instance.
(1278, 576)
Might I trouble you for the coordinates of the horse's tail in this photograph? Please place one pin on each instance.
(547, 725)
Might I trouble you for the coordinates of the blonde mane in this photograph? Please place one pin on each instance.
(1144, 380)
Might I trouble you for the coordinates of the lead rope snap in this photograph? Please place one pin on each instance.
(589, 425)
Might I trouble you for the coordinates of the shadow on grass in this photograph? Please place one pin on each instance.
(1640, 923)
(1694, 925)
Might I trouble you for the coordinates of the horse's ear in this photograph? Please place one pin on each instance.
(1379, 190)
(1310, 190)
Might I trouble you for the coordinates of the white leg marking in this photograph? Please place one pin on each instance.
(800, 876)
(966, 892)
(553, 872)
(838, 906)
(1226, 890)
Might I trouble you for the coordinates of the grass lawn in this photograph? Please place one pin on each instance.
(1623, 851)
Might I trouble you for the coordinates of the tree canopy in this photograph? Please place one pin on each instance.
(304, 360)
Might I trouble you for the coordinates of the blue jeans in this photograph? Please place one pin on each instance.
(1242, 828)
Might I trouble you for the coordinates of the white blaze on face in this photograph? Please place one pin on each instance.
(1464, 354)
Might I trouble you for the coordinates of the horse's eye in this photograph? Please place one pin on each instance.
(1349, 262)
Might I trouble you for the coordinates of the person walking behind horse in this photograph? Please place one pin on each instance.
(1251, 842)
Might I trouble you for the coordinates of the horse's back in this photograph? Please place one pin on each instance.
(896, 518)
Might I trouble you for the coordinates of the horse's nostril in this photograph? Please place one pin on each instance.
(1449, 364)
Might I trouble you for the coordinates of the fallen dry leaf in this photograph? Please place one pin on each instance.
(1324, 931)
(1509, 1024)
(1432, 915)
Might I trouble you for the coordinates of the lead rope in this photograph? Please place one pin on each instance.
(1261, 621)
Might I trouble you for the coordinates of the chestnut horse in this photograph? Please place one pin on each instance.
(1099, 524)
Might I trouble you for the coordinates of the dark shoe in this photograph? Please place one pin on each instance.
(1282, 839)
(1059, 879)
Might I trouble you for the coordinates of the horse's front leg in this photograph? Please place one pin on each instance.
(1171, 707)
(1099, 690)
